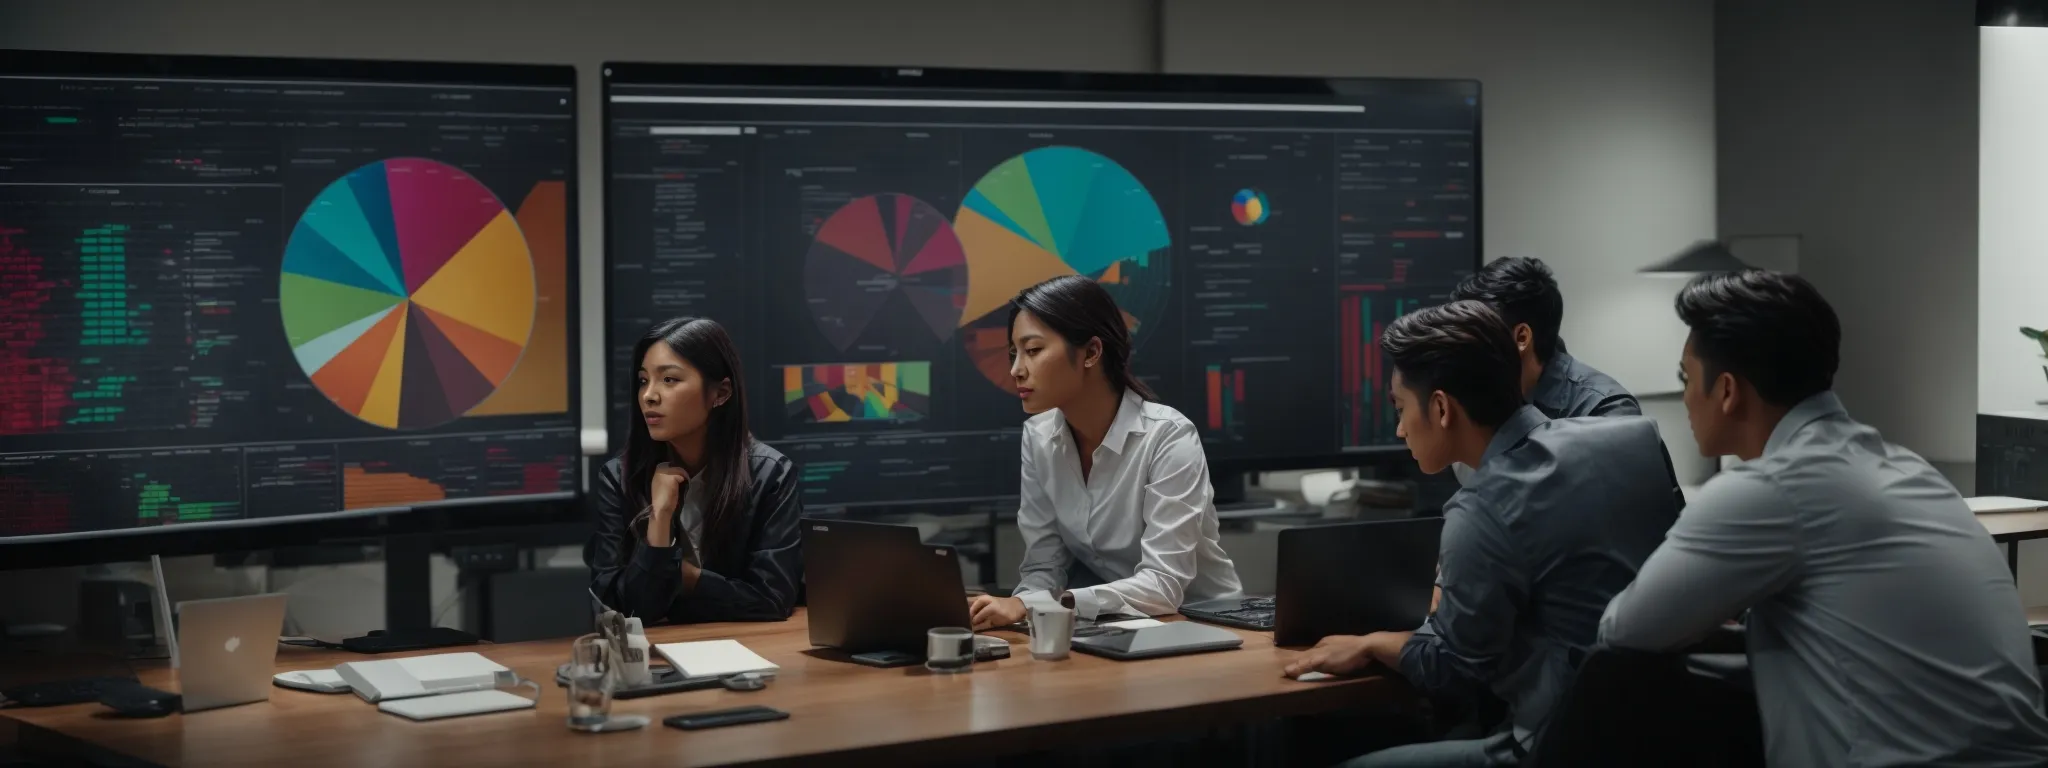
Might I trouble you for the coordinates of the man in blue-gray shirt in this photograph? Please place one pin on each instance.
(1557, 519)
(1525, 294)
(1883, 626)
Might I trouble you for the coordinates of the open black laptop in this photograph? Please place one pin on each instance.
(877, 587)
(1340, 579)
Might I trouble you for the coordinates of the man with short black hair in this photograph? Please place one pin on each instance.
(1883, 626)
(1555, 522)
(1525, 293)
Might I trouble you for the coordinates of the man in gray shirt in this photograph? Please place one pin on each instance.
(1556, 521)
(1884, 628)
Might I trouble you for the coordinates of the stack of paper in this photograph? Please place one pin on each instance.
(709, 658)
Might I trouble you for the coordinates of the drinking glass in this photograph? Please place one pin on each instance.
(590, 682)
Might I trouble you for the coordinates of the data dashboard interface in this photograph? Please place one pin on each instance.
(863, 243)
(251, 298)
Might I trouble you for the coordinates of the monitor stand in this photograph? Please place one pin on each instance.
(166, 627)
(408, 610)
(1232, 499)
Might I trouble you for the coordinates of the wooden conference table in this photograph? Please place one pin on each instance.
(840, 712)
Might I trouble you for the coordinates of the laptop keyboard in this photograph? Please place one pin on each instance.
(1251, 613)
(61, 692)
(1260, 616)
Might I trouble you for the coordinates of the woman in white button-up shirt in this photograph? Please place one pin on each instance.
(1114, 485)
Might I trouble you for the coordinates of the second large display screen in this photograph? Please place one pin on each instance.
(862, 243)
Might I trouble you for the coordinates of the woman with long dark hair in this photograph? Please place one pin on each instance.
(1116, 510)
(696, 520)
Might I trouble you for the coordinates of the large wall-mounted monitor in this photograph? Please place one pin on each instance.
(250, 291)
(861, 229)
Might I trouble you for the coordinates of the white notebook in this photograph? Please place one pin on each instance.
(710, 658)
(456, 704)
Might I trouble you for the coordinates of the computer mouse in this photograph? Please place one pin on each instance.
(1314, 677)
(141, 701)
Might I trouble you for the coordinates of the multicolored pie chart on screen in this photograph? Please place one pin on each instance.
(407, 292)
(1248, 206)
(876, 248)
(1056, 211)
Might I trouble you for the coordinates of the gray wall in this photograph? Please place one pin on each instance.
(1599, 145)
(1854, 124)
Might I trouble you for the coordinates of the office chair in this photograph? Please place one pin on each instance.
(1636, 708)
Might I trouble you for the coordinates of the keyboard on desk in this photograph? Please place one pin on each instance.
(1249, 613)
(62, 692)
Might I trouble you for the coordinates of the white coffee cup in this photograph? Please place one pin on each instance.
(1052, 632)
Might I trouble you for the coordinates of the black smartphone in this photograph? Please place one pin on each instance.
(887, 659)
(724, 717)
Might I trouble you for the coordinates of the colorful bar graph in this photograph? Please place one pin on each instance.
(365, 489)
(1226, 400)
(847, 392)
(1369, 417)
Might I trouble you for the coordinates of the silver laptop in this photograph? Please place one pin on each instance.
(227, 650)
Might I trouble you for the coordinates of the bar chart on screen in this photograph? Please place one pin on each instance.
(1226, 401)
(1369, 419)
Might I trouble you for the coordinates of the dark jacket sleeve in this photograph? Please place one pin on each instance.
(764, 587)
(645, 582)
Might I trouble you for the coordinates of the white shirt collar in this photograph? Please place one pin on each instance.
(1130, 420)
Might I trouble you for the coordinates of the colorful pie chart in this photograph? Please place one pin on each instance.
(881, 266)
(407, 293)
(1050, 212)
(1248, 206)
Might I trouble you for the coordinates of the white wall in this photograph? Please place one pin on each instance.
(2012, 183)
(1598, 143)
(2011, 272)
(1854, 124)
